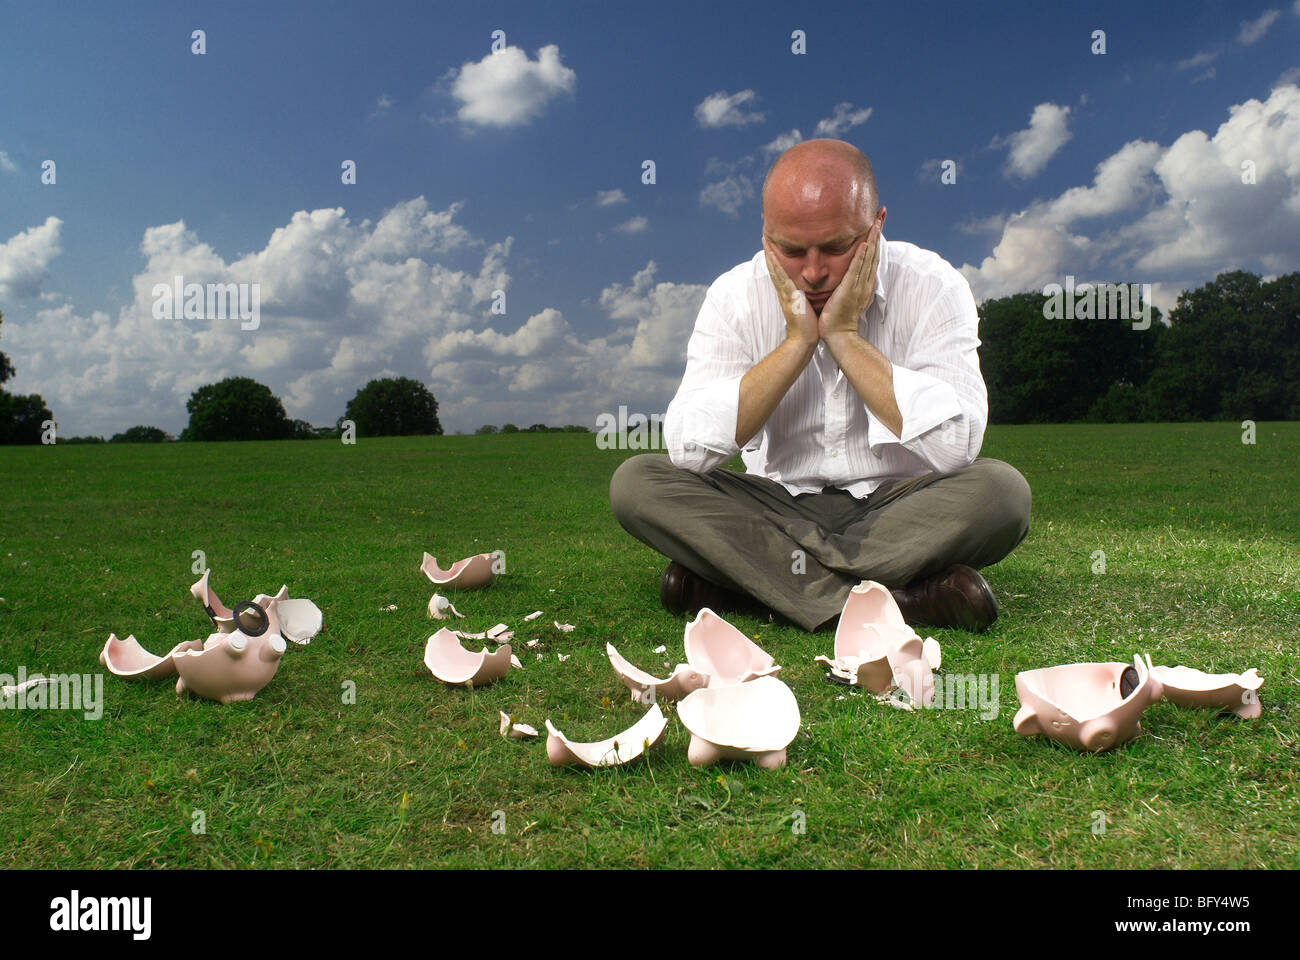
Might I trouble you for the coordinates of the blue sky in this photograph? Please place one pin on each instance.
(521, 171)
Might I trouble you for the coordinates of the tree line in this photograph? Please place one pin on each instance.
(1230, 351)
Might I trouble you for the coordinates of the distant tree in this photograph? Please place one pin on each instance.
(509, 428)
(61, 441)
(1042, 370)
(576, 428)
(536, 428)
(486, 428)
(394, 407)
(21, 418)
(237, 408)
(142, 435)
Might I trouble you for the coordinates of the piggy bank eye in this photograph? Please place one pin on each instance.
(252, 619)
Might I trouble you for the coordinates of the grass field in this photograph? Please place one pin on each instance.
(1200, 537)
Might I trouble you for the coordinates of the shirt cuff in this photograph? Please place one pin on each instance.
(700, 430)
(923, 400)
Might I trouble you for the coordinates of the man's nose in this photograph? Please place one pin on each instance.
(814, 269)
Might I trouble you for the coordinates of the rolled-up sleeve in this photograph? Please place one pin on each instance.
(939, 389)
(700, 425)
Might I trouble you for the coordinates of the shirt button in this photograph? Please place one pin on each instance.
(690, 446)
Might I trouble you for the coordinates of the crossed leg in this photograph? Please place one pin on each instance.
(800, 555)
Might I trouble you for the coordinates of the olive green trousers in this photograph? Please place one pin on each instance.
(801, 554)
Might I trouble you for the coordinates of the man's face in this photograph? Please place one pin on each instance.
(815, 235)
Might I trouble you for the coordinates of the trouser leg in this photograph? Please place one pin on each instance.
(801, 555)
(730, 528)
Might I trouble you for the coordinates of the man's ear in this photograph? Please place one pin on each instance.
(880, 217)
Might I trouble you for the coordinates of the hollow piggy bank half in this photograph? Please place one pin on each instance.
(233, 666)
(1087, 706)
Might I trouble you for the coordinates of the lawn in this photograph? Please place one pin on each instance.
(1200, 539)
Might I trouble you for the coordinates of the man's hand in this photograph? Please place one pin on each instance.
(800, 321)
(855, 292)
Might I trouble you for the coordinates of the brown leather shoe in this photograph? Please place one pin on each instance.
(957, 597)
(682, 591)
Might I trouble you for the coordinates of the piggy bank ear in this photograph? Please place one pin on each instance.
(1026, 722)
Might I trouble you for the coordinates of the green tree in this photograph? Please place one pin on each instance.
(142, 435)
(509, 428)
(486, 429)
(394, 407)
(20, 416)
(237, 408)
(1044, 370)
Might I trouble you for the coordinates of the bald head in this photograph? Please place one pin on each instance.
(820, 174)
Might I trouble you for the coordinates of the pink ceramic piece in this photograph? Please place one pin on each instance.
(647, 689)
(6, 691)
(871, 656)
(721, 652)
(453, 664)
(212, 605)
(749, 721)
(231, 666)
(300, 619)
(515, 731)
(1083, 705)
(622, 748)
(563, 627)
(440, 608)
(126, 658)
(533, 616)
(1187, 687)
(915, 682)
(468, 574)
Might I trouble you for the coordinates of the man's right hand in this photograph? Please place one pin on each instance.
(800, 321)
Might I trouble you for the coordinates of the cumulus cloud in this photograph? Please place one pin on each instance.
(608, 198)
(724, 109)
(844, 117)
(506, 89)
(7, 165)
(1253, 30)
(1175, 215)
(728, 195)
(1032, 148)
(382, 105)
(25, 259)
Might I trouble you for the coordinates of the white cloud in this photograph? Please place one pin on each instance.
(728, 195)
(1033, 147)
(635, 225)
(25, 259)
(1253, 30)
(1187, 214)
(506, 89)
(1200, 59)
(782, 143)
(722, 109)
(382, 105)
(608, 198)
(7, 165)
(1290, 76)
(844, 118)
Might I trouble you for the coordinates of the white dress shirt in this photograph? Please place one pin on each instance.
(822, 434)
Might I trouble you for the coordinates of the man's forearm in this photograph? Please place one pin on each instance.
(762, 388)
(871, 375)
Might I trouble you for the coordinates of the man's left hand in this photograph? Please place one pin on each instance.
(855, 292)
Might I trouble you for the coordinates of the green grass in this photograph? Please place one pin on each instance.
(1200, 535)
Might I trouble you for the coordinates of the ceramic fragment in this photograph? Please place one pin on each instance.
(748, 721)
(440, 608)
(231, 666)
(621, 748)
(454, 665)
(515, 731)
(1087, 706)
(647, 689)
(717, 649)
(1188, 687)
(126, 658)
(468, 574)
